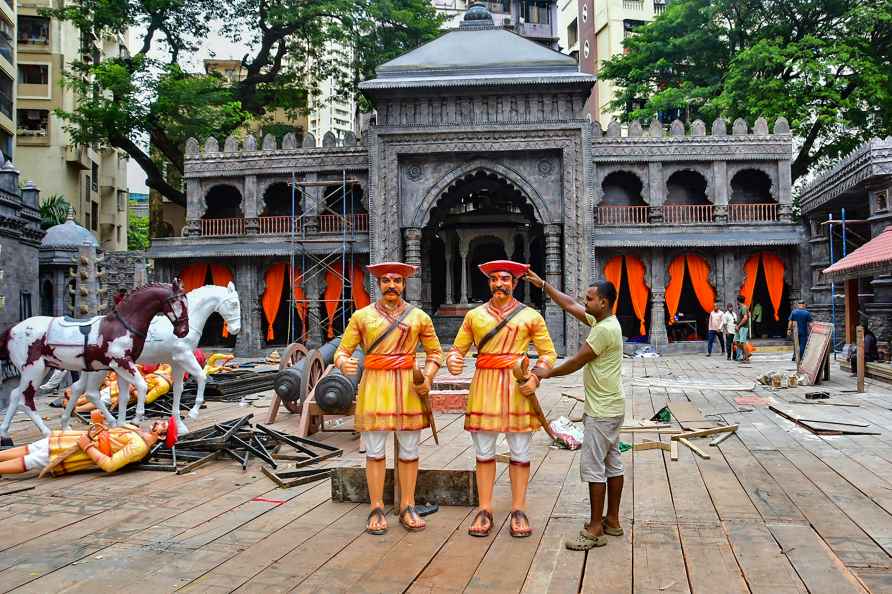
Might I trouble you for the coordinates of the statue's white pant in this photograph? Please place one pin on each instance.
(485, 445)
(376, 442)
(38, 455)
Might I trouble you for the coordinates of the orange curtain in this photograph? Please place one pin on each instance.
(673, 289)
(699, 271)
(637, 288)
(613, 271)
(750, 270)
(334, 286)
(193, 275)
(222, 276)
(774, 278)
(272, 296)
(300, 301)
(357, 288)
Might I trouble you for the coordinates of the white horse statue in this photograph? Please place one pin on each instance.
(162, 346)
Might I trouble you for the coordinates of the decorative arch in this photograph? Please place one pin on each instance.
(703, 171)
(224, 201)
(471, 168)
(628, 182)
(751, 185)
(638, 170)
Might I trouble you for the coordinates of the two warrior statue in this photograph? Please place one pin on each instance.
(392, 394)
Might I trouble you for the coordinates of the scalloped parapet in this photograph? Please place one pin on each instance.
(739, 128)
(192, 147)
(719, 127)
(635, 129)
(230, 145)
(781, 126)
(698, 128)
(676, 129)
(597, 132)
(614, 130)
(309, 141)
(329, 139)
(760, 127)
(655, 130)
(250, 143)
(349, 139)
(269, 143)
(289, 142)
(211, 146)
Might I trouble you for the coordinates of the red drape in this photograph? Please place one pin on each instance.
(638, 289)
(774, 278)
(613, 271)
(272, 296)
(300, 301)
(357, 288)
(673, 288)
(699, 271)
(193, 275)
(222, 276)
(750, 270)
(334, 286)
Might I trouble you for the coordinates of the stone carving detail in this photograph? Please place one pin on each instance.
(597, 132)
(719, 127)
(192, 148)
(329, 139)
(781, 126)
(677, 128)
(614, 130)
(635, 130)
(760, 127)
(655, 129)
(544, 167)
(211, 146)
(289, 141)
(309, 141)
(698, 128)
(230, 145)
(349, 139)
(739, 127)
(414, 172)
(250, 143)
(269, 143)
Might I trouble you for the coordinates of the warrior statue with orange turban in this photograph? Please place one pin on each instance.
(502, 330)
(388, 331)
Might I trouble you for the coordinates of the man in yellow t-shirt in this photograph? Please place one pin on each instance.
(601, 359)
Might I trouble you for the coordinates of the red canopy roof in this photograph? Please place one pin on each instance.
(874, 257)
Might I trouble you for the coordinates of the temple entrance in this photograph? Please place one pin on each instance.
(767, 291)
(627, 273)
(689, 298)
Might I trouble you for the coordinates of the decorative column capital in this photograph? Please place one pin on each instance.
(721, 213)
(785, 212)
(412, 235)
(655, 214)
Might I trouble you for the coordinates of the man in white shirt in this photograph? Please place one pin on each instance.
(716, 323)
(729, 323)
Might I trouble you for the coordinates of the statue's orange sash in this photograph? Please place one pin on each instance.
(496, 360)
(399, 361)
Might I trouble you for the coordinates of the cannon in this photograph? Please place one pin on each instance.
(335, 392)
(300, 369)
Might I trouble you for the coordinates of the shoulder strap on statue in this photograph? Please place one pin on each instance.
(393, 326)
(498, 328)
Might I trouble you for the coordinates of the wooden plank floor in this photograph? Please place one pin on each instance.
(775, 509)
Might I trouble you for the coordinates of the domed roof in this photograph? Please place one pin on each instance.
(68, 235)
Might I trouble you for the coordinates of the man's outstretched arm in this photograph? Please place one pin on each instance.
(574, 363)
(567, 303)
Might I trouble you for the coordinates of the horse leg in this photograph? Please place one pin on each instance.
(32, 375)
(14, 398)
(190, 364)
(177, 376)
(91, 390)
(130, 373)
(77, 388)
(123, 399)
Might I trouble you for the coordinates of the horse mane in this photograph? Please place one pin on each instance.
(153, 285)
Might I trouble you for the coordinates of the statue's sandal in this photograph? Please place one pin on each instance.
(379, 514)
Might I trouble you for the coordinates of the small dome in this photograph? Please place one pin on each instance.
(68, 235)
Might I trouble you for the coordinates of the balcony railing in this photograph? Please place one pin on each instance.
(621, 215)
(277, 225)
(222, 227)
(336, 223)
(688, 214)
(752, 213)
(281, 225)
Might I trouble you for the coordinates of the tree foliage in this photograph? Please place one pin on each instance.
(53, 211)
(138, 233)
(825, 65)
(148, 105)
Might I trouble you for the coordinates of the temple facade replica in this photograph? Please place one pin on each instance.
(481, 150)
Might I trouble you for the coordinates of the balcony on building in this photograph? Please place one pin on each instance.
(7, 41)
(34, 31)
(537, 20)
(34, 81)
(6, 95)
(33, 126)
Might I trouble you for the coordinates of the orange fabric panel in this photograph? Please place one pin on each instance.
(222, 276)
(300, 301)
(774, 278)
(496, 361)
(272, 296)
(613, 271)
(673, 288)
(334, 285)
(638, 289)
(193, 275)
(357, 288)
(750, 270)
(698, 268)
(389, 361)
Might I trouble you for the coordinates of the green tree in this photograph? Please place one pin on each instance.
(138, 233)
(148, 105)
(825, 65)
(53, 210)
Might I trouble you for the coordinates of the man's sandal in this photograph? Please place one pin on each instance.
(519, 517)
(379, 514)
(611, 531)
(481, 533)
(585, 541)
(410, 511)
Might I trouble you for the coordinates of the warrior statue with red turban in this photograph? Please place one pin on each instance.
(388, 400)
(502, 330)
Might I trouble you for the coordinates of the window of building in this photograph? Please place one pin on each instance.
(34, 30)
(586, 49)
(95, 171)
(122, 200)
(6, 144)
(6, 41)
(659, 6)
(118, 233)
(882, 200)
(34, 74)
(33, 122)
(572, 34)
(24, 305)
(499, 6)
(94, 215)
(6, 95)
(535, 11)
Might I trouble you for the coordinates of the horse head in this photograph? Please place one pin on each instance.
(176, 308)
(231, 310)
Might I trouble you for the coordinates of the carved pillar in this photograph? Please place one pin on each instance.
(657, 191)
(310, 207)
(312, 290)
(784, 191)
(463, 251)
(450, 295)
(658, 336)
(554, 317)
(249, 204)
(412, 255)
(195, 207)
(248, 340)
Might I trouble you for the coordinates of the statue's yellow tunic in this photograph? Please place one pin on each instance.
(495, 402)
(123, 445)
(387, 400)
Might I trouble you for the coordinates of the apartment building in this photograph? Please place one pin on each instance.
(7, 78)
(92, 179)
(331, 111)
(536, 20)
(568, 27)
(601, 27)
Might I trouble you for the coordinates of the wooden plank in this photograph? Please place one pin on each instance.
(764, 566)
(878, 581)
(651, 445)
(819, 568)
(694, 448)
(659, 563)
(673, 450)
(555, 569)
(711, 564)
(706, 432)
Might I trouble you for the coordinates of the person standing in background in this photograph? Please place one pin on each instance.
(716, 321)
(729, 324)
(800, 322)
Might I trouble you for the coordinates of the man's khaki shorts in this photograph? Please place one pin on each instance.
(600, 449)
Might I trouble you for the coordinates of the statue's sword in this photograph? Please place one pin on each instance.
(417, 379)
(522, 374)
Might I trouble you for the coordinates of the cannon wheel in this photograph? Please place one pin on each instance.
(314, 369)
(294, 353)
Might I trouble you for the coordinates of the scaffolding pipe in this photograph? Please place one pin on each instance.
(832, 285)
